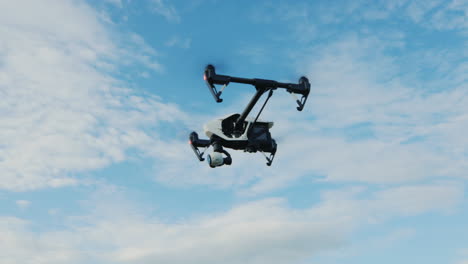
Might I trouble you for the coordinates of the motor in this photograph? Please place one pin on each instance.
(216, 159)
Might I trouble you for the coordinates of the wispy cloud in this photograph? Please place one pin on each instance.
(166, 10)
(177, 41)
(376, 244)
(411, 135)
(256, 54)
(63, 112)
(23, 204)
(117, 3)
(267, 230)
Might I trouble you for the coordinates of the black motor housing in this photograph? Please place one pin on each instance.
(259, 138)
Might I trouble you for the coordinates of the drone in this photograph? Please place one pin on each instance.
(237, 132)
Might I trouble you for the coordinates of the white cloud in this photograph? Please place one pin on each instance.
(252, 233)
(463, 255)
(23, 204)
(452, 16)
(62, 111)
(256, 54)
(434, 14)
(354, 86)
(117, 3)
(166, 10)
(351, 86)
(418, 9)
(118, 231)
(379, 243)
(177, 41)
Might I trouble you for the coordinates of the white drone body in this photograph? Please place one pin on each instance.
(215, 127)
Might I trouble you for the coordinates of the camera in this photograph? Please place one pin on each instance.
(216, 159)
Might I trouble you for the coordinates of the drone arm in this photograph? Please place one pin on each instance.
(211, 78)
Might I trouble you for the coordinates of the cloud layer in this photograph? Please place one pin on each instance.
(262, 231)
(62, 110)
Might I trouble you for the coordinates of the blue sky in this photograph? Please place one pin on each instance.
(98, 99)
